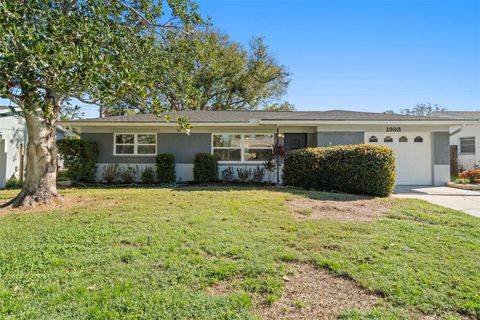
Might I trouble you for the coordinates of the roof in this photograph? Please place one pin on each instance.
(475, 115)
(269, 116)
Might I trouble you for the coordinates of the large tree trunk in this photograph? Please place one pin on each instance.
(40, 180)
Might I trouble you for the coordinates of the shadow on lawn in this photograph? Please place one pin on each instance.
(310, 194)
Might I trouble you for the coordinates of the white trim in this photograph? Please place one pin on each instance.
(241, 147)
(135, 144)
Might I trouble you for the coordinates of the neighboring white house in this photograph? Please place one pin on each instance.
(13, 134)
(466, 137)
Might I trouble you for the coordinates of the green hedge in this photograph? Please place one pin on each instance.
(79, 158)
(362, 169)
(205, 167)
(166, 168)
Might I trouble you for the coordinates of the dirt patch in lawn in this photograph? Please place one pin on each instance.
(361, 209)
(312, 293)
(223, 287)
(66, 202)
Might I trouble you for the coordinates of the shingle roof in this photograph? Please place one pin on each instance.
(247, 116)
(457, 114)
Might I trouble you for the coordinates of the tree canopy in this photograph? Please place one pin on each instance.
(420, 109)
(207, 72)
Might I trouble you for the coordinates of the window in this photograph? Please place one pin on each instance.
(373, 139)
(388, 139)
(467, 145)
(403, 139)
(418, 139)
(243, 147)
(135, 144)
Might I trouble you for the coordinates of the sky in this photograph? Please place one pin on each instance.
(366, 56)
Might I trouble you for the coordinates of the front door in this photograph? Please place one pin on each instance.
(294, 141)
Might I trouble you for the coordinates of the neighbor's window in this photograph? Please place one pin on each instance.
(135, 144)
(403, 139)
(243, 147)
(467, 145)
(388, 139)
(373, 139)
(418, 139)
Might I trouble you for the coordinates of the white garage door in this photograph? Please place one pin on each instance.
(413, 154)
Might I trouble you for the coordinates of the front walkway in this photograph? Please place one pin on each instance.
(463, 200)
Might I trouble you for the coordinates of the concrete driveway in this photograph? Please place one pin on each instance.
(463, 200)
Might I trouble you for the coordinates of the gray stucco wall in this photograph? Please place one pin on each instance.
(184, 147)
(324, 139)
(441, 148)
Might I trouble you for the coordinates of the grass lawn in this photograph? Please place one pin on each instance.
(153, 253)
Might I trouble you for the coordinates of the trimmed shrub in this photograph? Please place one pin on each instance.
(148, 175)
(205, 167)
(362, 169)
(473, 176)
(166, 168)
(79, 158)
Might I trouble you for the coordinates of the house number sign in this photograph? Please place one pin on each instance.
(394, 129)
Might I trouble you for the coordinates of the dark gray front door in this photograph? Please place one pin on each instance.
(294, 141)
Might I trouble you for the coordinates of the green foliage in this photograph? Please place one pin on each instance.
(420, 109)
(228, 174)
(284, 106)
(111, 173)
(244, 174)
(79, 158)
(205, 167)
(258, 174)
(90, 50)
(148, 175)
(210, 72)
(166, 168)
(362, 169)
(62, 175)
(128, 175)
(13, 183)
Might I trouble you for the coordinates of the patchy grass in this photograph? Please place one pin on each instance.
(157, 253)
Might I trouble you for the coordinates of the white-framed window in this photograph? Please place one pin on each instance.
(467, 145)
(140, 144)
(235, 147)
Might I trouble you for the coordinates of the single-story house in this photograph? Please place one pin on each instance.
(13, 137)
(244, 138)
(465, 137)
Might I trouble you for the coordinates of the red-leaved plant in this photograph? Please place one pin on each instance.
(472, 175)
